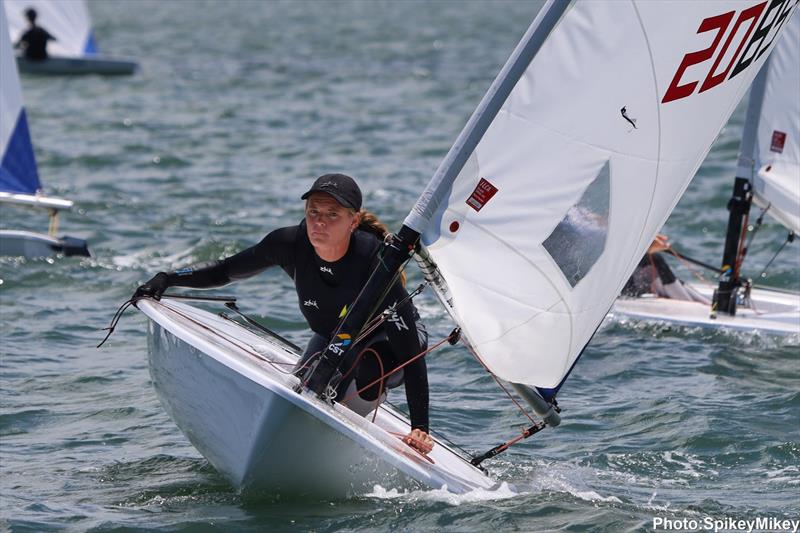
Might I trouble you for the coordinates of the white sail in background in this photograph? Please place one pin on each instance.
(66, 20)
(536, 228)
(770, 154)
(18, 173)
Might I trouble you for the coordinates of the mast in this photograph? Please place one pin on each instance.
(401, 247)
(724, 300)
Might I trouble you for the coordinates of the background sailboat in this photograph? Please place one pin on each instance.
(768, 175)
(19, 177)
(531, 225)
(75, 50)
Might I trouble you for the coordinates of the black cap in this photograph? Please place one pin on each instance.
(343, 188)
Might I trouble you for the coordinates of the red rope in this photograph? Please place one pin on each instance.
(384, 376)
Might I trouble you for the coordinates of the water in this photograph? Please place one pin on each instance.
(237, 107)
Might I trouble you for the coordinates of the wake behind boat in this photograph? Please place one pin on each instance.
(74, 50)
(524, 231)
(230, 390)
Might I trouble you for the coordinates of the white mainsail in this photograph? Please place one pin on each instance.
(18, 173)
(67, 20)
(574, 160)
(770, 153)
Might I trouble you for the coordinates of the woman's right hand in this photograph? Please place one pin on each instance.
(420, 441)
(153, 288)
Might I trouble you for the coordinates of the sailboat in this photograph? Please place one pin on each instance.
(768, 175)
(527, 231)
(19, 177)
(75, 50)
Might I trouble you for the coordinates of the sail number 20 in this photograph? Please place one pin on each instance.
(773, 18)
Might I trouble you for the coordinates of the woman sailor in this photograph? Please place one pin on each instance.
(330, 255)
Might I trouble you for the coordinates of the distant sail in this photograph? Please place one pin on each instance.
(770, 153)
(18, 172)
(67, 20)
(572, 163)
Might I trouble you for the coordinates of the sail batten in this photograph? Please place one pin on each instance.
(567, 169)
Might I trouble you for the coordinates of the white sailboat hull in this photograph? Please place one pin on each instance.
(29, 244)
(230, 393)
(57, 65)
(772, 311)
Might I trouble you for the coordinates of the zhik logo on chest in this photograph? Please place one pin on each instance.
(311, 303)
(398, 321)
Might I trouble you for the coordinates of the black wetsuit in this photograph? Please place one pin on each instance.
(642, 278)
(35, 40)
(323, 290)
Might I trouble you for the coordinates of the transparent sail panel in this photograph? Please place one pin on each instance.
(580, 237)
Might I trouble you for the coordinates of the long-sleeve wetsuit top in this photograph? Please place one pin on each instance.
(323, 290)
(35, 40)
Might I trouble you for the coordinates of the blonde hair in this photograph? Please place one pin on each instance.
(370, 223)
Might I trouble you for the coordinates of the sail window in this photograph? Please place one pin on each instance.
(580, 238)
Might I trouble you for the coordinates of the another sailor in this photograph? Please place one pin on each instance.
(330, 256)
(34, 41)
(654, 276)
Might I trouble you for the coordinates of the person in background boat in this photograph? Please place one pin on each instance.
(34, 41)
(653, 275)
(330, 256)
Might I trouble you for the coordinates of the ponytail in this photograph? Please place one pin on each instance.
(371, 224)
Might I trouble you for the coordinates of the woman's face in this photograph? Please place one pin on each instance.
(328, 223)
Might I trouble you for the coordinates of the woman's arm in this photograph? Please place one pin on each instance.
(275, 248)
(404, 338)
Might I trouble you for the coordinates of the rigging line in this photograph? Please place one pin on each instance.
(465, 455)
(742, 251)
(789, 239)
(275, 364)
(224, 299)
(694, 261)
(226, 317)
(116, 318)
(759, 221)
(233, 307)
(475, 354)
(421, 354)
(688, 264)
(242, 346)
(437, 434)
(380, 390)
(381, 317)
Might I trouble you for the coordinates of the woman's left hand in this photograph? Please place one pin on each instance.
(419, 440)
(660, 244)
